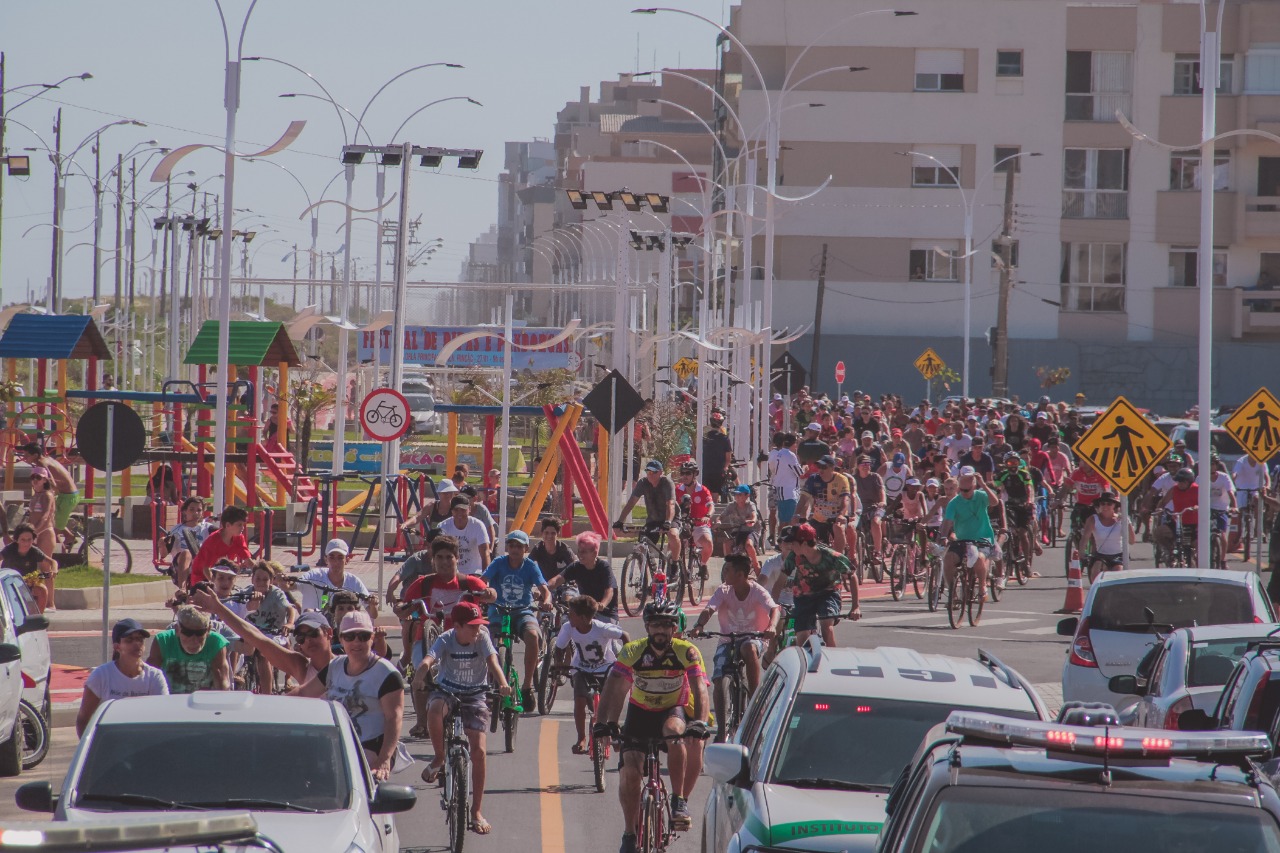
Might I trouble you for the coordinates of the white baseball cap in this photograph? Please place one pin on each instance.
(967, 471)
(445, 486)
(336, 546)
(814, 425)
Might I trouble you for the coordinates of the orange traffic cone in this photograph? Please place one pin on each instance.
(1075, 586)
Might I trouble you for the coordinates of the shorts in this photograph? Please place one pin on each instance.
(583, 682)
(960, 546)
(1019, 514)
(786, 510)
(701, 531)
(653, 532)
(1221, 520)
(643, 725)
(520, 623)
(64, 505)
(823, 529)
(721, 656)
(1109, 561)
(876, 513)
(473, 708)
(740, 537)
(810, 608)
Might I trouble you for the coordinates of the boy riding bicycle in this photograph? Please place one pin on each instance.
(589, 647)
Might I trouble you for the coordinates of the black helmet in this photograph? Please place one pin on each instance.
(1012, 456)
(689, 467)
(1185, 475)
(661, 608)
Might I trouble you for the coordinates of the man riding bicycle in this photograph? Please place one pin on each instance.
(659, 495)
(1087, 483)
(696, 499)
(965, 522)
(739, 521)
(1104, 531)
(825, 502)
(1019, 492)
(1182, 499)
(815, 573)
(871, 494)
(654, 677)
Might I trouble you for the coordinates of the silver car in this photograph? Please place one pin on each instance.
(1186, 671)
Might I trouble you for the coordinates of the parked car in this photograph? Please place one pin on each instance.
(1229, 450)
(1250, 699)
(1186, 671)
(32, 630)
(11, 685)
(1125, 613)
(295, 764)
(422, 407)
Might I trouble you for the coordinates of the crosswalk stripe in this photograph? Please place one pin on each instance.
(1052, 629)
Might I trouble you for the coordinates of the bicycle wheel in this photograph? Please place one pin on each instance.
(510, 722)
(957, 593)
(993, 583)
(1071, 543)
(598, 759)
(655, 827)
(973, 596)
(634, 583)
(875, 566)
(697, 585)
(458, 806)
(898, 572)
(859, 556)
(933, 589)
(1021, 568)
(1215, 552)
(548, 685)
(35, 735)
(92, 553)
(914, 566)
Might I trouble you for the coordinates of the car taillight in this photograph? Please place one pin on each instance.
(1257, 620)
(1082, 647)
(1254, 716)
(1175, 711)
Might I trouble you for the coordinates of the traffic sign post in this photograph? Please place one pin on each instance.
(840, 374)
(930, 364)
(384, 415)
(685, 368)
(1256, 425)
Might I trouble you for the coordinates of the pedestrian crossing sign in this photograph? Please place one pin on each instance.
(929, 364)
(1123, 445)
(1256, 425)
(685, 368)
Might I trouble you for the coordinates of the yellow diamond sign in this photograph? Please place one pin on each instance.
(1123, 445)
(685, 368)
(1256, 425)
(929, 364)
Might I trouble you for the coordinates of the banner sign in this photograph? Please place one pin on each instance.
(423, 343)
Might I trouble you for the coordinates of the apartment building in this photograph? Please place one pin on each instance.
(1105, 227)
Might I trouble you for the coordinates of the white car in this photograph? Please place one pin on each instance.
(1125, 613)
(295, 764)
(829, 732)
(32, 630)
(11, 681)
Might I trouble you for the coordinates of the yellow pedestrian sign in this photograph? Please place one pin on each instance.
(1123, 445)
(929, 364)
(685, 368)
(1256, 425)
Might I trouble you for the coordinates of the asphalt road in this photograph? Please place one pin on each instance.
(542, 797)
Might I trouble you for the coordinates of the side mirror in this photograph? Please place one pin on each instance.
(1125, 685)
(392, 799)
(9, 652)
(32, 623)
(728, 763)
(1196, 720)
(35, 797)
(1067, 627)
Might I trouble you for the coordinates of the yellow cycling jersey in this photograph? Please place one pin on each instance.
(659, 680)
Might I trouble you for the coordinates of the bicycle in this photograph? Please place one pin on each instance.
(384, 411)
(1016, 559)
(598, 748)
(92, 546)
(964, 595)
(35, 735)
(655, 831)
(933, 554)
(736, 694)
(904, 556)
(647, 558)
(456, 775)
(870, 563)
(689, 566)
(507, 709)
(549, 622)
(1182, 554)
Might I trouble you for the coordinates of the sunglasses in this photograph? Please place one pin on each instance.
(194, 632)
(358, 636)
(303, 635)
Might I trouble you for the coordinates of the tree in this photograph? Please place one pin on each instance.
(305, 400)
(671, 428)
(1051, 376)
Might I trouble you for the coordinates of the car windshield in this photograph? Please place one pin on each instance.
(1219, 438)
(131, 763)
(420, 402)
(990, 820)
(855, 741)
(1213, 660)
(1181, 604)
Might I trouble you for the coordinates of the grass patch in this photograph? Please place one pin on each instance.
(83, 577)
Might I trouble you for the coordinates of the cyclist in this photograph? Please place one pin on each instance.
(813, 447)
(590, 647)
(956, 444)
(191, 656)
(1105, 532)
(1087, 483)
(1183, 498)
(743, 606)
(67, 499)
(654, 677)
(739, 521)
(228, 543)
(434, 510)
(551, 555)
(1222, 504)
(784, 482)
(871, 496)
(815, 573)
(416, 565)
(717, 454)
(333, 574)
(343, 602)
(518, 581)
(871, 450)
(1250, 479)
(825, 502)
(473, 535)
(894, 475)
(967, 521)
(697, 501)
(592, 576)
(194, 528)
(123, 676)
(1019, 492)
(312, 634)
(979, 459)
(659, 495)
(33, 564)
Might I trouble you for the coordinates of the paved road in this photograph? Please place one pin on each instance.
(541, 797)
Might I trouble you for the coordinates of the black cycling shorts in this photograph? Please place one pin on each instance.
(823, 529)
(1019, 514)
(643, 725)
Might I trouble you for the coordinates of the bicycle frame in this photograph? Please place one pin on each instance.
(506, 641)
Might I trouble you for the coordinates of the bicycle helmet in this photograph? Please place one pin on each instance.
(689, 467)
(1011, 456)
(1185, 475)
(661, 608)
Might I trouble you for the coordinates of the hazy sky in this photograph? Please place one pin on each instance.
(162, 62)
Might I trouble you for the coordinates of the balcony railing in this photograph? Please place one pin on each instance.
(1097, 106)
(1095, 204)
(1092, 298)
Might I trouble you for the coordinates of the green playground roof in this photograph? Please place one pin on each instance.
(251, 342)
(54, 336)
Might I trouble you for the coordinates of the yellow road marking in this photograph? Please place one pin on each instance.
(553, 840)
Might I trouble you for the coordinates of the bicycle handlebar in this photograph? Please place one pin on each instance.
(737, 635)
(362, 596)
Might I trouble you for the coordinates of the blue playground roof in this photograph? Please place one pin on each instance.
(60, 337)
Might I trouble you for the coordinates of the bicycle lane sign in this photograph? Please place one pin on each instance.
(1123, 446)
(384, 414)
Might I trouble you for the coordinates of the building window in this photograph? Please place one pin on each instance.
(1262, 71)
(1093, 276)
(1098, 84)
(1186, 75)
(1095, 183)
(1269, 271)
(1184, 270)
(1184, 171)
(939, 70)
(934, 260)
(1268, 177)
(935, 165)
(1008, 63)
(995, 254)
(1008, 154)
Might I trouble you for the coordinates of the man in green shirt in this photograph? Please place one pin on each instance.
(190, 655)
(967, 520)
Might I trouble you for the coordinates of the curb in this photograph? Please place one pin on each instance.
(123, 595)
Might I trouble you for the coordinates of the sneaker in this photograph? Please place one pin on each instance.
(680, 813)
(702, 572)
(1000, 583)
(527, 700)
(628, 843)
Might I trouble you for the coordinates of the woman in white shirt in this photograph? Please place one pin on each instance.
(125, 675)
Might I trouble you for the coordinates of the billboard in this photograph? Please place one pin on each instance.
(422, 344)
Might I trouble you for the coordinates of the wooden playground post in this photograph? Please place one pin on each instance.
(602, 467)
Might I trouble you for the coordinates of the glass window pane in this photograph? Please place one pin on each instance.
(1074, 167)
(1110, 169)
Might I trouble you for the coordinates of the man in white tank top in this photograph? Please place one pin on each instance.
(1103, 534)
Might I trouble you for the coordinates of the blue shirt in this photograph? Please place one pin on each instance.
(514, 585)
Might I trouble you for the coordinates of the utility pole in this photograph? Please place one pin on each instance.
(55, 295)
(817, 317)
(1000, 345)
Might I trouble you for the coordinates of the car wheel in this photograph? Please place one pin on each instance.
(11, 751)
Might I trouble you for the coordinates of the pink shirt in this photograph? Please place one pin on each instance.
(740, 617)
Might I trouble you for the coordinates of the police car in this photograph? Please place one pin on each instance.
(827, 735)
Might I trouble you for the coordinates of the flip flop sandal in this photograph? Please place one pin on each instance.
(431, 773)
(418, 731)
(579, 749)
(480, 827)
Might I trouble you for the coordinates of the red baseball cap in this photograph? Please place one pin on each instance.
(805, 533)
(895, 431)
(466, 613)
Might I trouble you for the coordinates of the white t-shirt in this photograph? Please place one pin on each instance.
(594, 651)
(1163, 483)
(311, 595)
(470, 538)
(1248, 476)
(784, 473)
(108, 682)
(769, 572)
(895, 480)
(740, 616)
(1220, 491)
(956, 446)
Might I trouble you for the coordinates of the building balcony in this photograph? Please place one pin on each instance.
(1180, 117)
(1097, 106)
(1178, 217)
(1095, 204)
(1238, 313)
(1261, 217)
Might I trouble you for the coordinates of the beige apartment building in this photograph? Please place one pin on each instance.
(1105, 227)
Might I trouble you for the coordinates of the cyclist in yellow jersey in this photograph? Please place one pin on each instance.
(658, 675)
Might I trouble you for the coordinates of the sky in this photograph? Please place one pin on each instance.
(162, 62)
